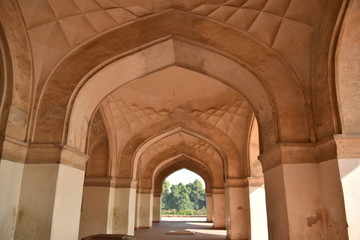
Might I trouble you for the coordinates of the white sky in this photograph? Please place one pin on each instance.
(185, 176)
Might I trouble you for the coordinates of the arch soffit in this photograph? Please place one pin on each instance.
(21, 64)
(89, 53)
(6, 82)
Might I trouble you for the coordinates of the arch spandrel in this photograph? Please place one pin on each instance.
(65, 77)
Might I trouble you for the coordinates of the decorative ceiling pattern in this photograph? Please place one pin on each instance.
(133, 118)
(264, 19)
(56, 27)
(175, 140)
(97, 129)
(226, 117)
(233, 119)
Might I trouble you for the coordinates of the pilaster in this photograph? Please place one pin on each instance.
(94, 211)
(121, 209)
(209, 207)
(157, 208)
(50, 196)
(301, 204)
(145, 208)
(218, 197)
(237, 209)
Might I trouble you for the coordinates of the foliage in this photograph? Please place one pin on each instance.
(187, 212)
(180, 199)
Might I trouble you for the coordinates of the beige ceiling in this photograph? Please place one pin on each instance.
(164, 96)
(60, 49)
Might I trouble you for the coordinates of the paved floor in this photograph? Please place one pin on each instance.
(198, 225)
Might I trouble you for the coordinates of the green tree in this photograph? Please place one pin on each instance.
(197, 194)
(184, 199)
(166, 195)
(179, 197)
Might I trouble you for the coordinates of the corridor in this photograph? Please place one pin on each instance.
(102, 100)
(197, 225)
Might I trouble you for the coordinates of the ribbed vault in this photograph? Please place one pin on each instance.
(63, 58)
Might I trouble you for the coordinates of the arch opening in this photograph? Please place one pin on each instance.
(183, 193)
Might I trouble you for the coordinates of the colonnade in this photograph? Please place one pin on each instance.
(304, 94)
(45, 199)
(119, 209)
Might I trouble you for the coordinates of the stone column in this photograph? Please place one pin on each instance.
(121, 209)
(157, 208)
(348, 153)
(50, 194)
(218, 197)
(209, 207)
(237, 209)
(258, 216)
(145, 208)
(94, 210)
(302, 193)
(11, 172)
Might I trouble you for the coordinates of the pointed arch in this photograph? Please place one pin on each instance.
(282, 117)
(181, 162)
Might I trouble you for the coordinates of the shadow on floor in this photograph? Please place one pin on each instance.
(199, 226)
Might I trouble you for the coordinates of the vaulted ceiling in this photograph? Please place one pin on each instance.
(179, 74)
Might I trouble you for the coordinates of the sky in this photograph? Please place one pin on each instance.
(185, 176)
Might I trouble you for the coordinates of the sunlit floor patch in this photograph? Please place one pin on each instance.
(202, 230)
(180, 232)
(200, 224)
(206, 231)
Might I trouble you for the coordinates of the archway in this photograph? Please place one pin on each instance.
(191, 190)
(256, 66)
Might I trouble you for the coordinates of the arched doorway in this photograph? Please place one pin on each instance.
(187, 198)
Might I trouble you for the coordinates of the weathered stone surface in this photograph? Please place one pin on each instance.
(115, 95)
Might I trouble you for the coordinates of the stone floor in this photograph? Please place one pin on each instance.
(198, 225)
